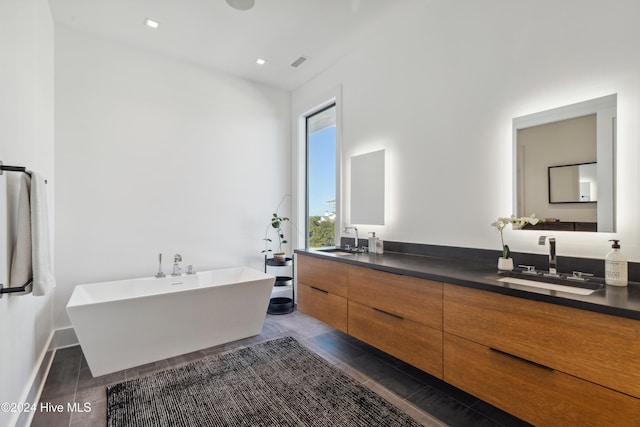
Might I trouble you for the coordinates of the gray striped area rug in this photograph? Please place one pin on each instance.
(276, 383)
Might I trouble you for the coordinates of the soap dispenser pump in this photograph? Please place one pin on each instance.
(615, 266)
(372, 242)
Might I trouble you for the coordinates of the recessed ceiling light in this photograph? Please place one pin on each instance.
(151, 23)
(261, 61)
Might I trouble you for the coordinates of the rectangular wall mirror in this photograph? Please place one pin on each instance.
(564, 166)
(573, 183)
(367, 188)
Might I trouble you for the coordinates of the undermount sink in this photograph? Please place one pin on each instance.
(579, 288)
(338, 251)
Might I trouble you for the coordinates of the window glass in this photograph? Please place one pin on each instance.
(321, 177)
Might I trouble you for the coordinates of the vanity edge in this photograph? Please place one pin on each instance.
(621, 302)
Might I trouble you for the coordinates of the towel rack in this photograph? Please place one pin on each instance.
(15, 289)
(22, 288)
(15, 169)
(12, 168)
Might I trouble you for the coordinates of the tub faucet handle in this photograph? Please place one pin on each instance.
(176, 267)
(190, 269)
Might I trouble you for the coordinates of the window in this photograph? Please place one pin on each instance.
(321, 177)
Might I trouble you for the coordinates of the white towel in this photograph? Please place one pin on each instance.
(43, 279)
(21, 271)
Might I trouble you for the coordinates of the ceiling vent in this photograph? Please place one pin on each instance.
(299, 61)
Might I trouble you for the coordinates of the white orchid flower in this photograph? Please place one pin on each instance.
(516, 224)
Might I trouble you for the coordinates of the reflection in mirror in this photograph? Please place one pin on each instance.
(546, 145)
(367, 188)
(573, 183)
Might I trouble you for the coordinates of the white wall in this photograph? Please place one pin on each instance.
(438, 87)
(159, 156)
(26, 139)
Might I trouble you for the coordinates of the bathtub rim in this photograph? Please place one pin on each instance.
(76, 300)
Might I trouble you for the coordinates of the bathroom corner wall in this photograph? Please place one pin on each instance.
(26, 139)
(437, 87)
(154, 155)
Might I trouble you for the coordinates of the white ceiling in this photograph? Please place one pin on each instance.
(211, 33)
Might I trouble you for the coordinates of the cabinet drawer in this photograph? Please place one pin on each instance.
(330, 276)
(412, 342)
(408, 297)
(538, 395)
(324, 306)
(597, 347)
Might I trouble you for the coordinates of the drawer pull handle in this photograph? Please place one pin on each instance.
(520, 359)
(318, 289)
(388, 314)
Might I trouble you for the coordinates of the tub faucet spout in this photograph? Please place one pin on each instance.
(176, 266)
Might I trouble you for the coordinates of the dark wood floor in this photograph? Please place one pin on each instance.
(427, 399)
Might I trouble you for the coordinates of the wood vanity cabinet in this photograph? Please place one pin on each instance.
(545, 363)
(323, 290)
(400, 315)
(409, 297)
(548, 364)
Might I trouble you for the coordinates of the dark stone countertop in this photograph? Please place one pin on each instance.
(612, 300)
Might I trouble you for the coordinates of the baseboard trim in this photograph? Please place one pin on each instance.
(62, 338)
(36, 381)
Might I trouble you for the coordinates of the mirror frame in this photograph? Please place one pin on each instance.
(605, 109)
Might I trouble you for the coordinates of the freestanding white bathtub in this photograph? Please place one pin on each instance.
(128, 323)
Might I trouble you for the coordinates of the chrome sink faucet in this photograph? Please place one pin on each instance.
(346, 230)
(553, 262)
(176, 266)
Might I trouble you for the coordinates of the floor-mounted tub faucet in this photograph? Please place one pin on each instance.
(176, 266)
(553, 262)
(346, 230)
